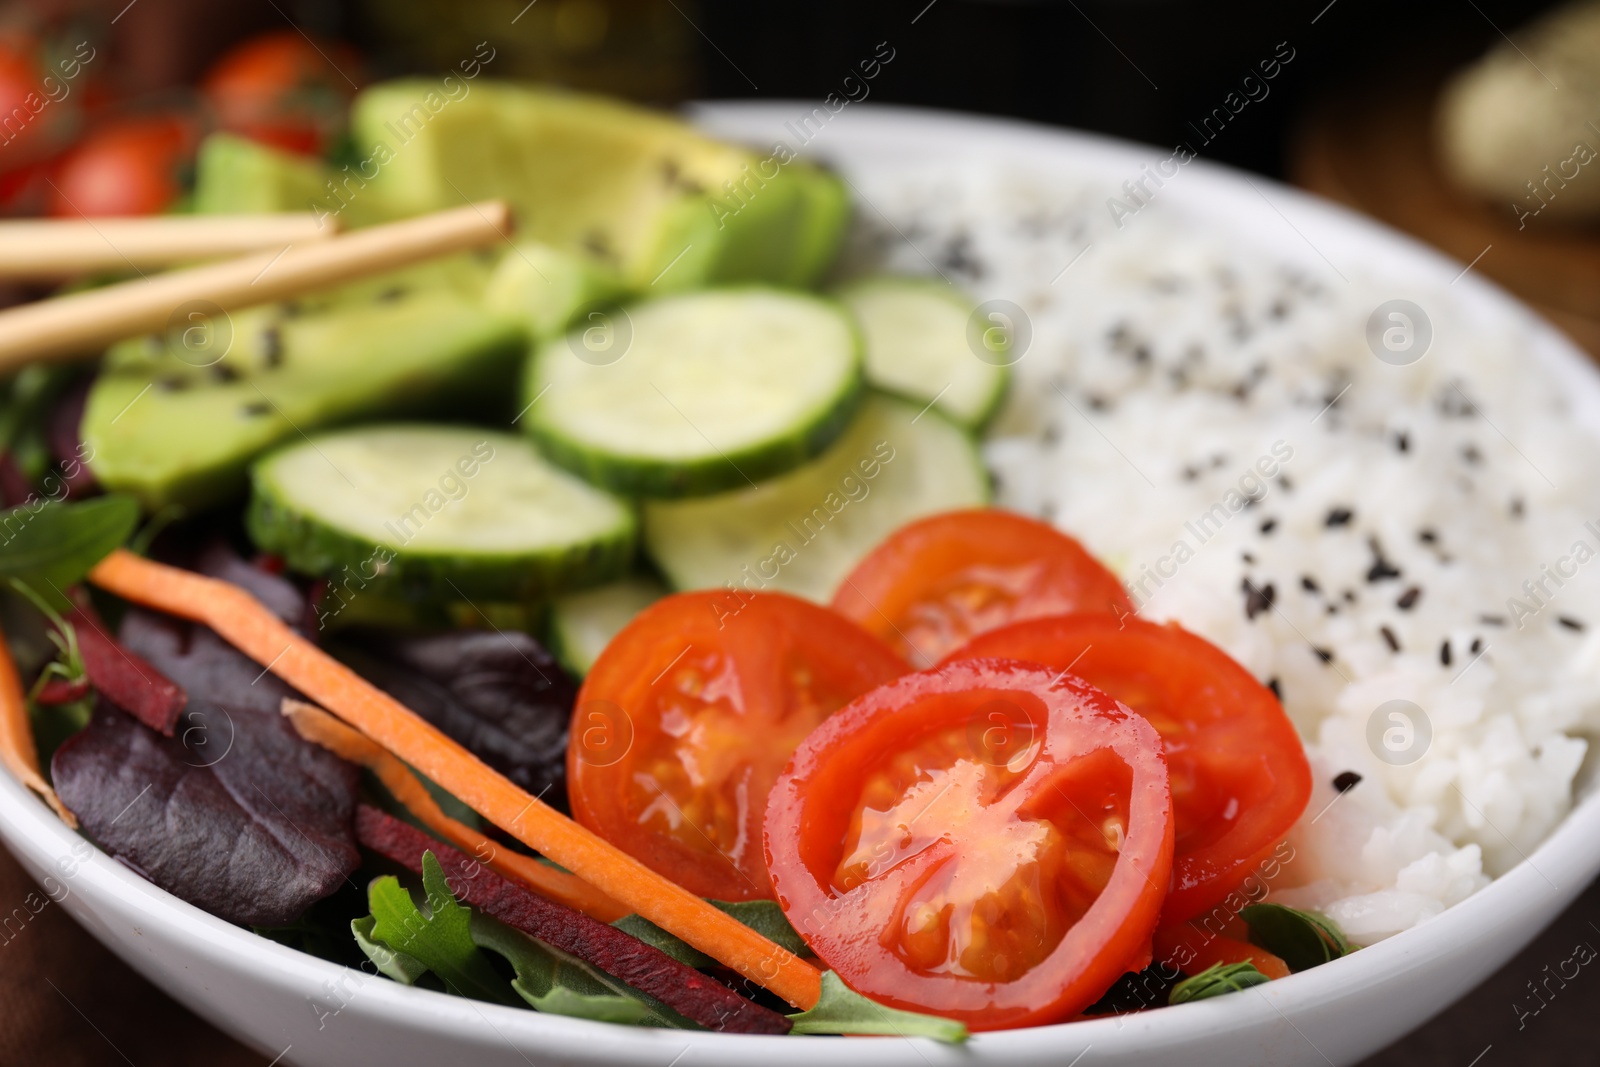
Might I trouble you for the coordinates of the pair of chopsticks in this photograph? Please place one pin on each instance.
(288, 256)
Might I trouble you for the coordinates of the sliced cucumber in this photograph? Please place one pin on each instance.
(436, 513)
(802, 533)
(583, 624)
(918, 346)
(696, 394)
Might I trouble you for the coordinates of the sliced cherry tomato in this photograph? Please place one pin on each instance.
(989, 841)
(1191, 948)
(283, 90)
(938, 582)
(686, 718)
(1239, 773)
(130, 167)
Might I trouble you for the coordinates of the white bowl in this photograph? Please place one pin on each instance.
(308, 1011)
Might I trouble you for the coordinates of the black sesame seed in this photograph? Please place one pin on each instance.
(1309, 584)
(1476, 646)
(1444, 652)
(1470, 454)
(1349, 596)
(1322, 654)
(1390, 639)
(1517, 507)
(224, 372)
(1381, 570)
(1492, 620)
(1097, 402)
(1402, 441)
(255, 407)
(1276, 687)
(1570, 623)
(1427, 536)
(391, 294)
(1247, 557)
(1257, 600)
(272, 346)
(1409, 598)
(1288, 486)
(171, 384)
(1190, 473)
(1268, 525)
(1339, 517)
(1345, 781)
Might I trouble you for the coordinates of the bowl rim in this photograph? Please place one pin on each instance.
(1546, 879)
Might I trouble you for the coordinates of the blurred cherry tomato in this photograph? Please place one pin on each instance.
(283, 90)
(34, 118)
(129, 167)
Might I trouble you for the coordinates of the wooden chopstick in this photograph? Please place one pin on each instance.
(61, 248)
(81, 324)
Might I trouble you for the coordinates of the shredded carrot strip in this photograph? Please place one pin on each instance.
(318, 727)
(242, 621)
(17, 749)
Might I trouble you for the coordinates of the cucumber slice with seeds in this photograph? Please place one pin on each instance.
(696, 394)
(583, 624)
(803, 533)
(918, 345)
(437, 513)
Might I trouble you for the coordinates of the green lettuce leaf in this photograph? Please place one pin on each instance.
(1215, 980)
(554, 982)
(454, 941)
(1302, 939)
(397, 965)
(51, 546)
(842, 1010)
(762, 916)
(441, 940)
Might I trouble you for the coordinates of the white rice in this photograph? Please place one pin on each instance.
(1163, 365)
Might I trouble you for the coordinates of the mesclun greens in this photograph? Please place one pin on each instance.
(844, 1011)
(763, 916)
(50, 546)
(1302, 939)
(1216, 980)
(453, 941)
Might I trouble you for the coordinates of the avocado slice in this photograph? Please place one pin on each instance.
(637, 192)
(233, 175)
(171, 423)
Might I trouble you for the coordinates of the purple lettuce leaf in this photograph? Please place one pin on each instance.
(236, 814)
(499, 693)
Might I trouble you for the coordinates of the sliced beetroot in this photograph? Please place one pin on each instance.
(62, 438)
(693, 995)
(124, 677)
(237, 815)
(499, 693)
(59, 691)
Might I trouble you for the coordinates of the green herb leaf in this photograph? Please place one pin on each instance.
(554, 982)
(397, 965)
(762, 916)
(1215, 980)
(842, 1010)
(51, 546)
(440, 940)
(1302, 939)
(453, 941)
